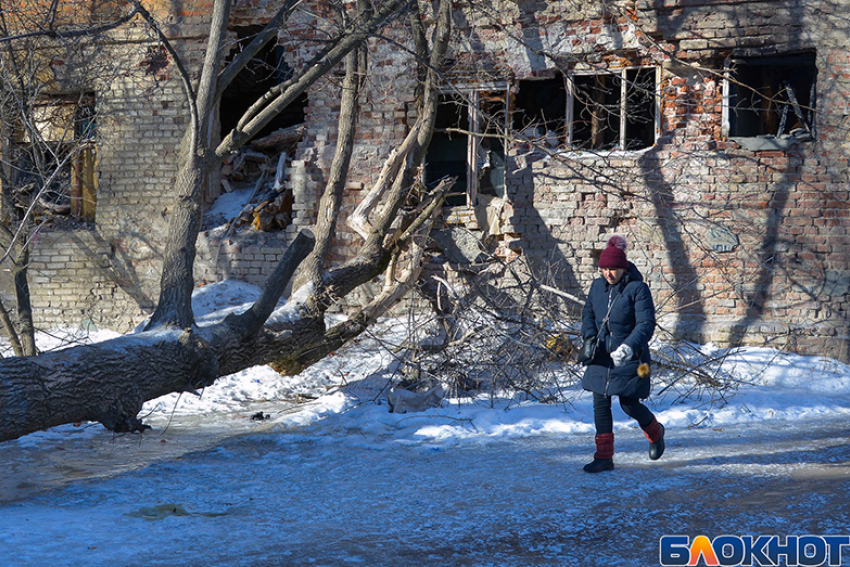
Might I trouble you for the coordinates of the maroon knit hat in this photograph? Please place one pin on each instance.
(614, 255)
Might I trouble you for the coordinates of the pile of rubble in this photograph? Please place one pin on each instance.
(262, 167)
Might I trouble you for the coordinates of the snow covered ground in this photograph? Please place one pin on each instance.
(332, 478)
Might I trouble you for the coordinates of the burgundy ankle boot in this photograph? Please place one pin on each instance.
(603, 459)
(655, 435)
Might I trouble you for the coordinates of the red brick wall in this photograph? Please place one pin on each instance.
(785, 283)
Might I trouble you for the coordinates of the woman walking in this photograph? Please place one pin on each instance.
(620, 315)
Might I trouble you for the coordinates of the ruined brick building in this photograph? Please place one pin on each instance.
(712, 133)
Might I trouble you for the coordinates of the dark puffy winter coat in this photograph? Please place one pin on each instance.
(632, 321)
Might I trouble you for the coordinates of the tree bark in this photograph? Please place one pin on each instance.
(380, 247)
(329, 206)
(398, 173)
(110, 381)
(26, 327)
(175, 300)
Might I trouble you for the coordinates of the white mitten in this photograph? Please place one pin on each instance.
(621, 354)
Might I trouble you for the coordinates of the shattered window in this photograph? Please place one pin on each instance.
(264, 72)
(613, 110)
(468, 143)
(489, 146)
(771, 96)
(53, 158)
(447, 152)
(541, 111)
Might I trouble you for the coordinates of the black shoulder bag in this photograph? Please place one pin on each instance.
(587, 351)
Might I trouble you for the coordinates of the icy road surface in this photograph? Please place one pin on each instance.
(335, 493)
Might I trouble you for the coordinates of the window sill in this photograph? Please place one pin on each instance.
(68, 224)
(771, 143)
(582, 154)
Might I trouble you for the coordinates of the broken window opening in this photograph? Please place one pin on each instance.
(54, 158)
(640, 110)
(771, 96)
(447, 152)
(489, 147)
(541, 111)
(257, 172)
(468, 143)
(265, 71)
(614, 110)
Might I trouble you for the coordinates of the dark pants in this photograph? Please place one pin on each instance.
(631, 406)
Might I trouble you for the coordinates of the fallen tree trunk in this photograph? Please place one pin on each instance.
(110, 381)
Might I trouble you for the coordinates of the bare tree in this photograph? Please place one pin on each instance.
(47, 134)
(108, 382)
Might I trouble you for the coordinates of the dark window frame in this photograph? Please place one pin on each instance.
(607, 102)
(471, 131)
(771, 96)
(65, 126)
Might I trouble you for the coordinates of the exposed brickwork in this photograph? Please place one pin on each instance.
(787, 278)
